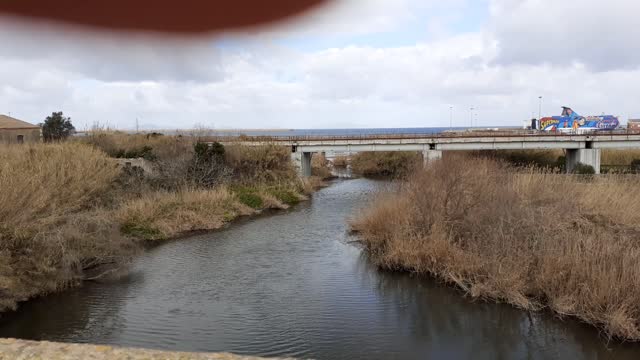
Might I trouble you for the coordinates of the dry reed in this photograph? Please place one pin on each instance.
(162, 215)
(391, 163)
(340, 161)
(320, 166)
(532, 238)
(68, 213)
(51, 234)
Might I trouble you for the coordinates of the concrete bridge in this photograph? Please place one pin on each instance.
(580, 148)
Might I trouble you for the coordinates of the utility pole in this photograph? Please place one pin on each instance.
(450, 117)
(539, 107)
(137, 126)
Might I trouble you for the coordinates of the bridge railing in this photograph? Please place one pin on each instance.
(445, 134)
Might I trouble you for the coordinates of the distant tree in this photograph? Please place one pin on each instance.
(207, 166)
(57, 127)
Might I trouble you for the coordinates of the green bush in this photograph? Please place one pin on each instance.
(583, 169)
(141, 231)
(205, 152)
(250, 199)
(285, 196)
(145, 152)
(207, 167)
(248, 196)
(561, 162)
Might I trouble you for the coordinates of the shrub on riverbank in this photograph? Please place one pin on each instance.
(162, 215)
(68, 212)
(388, 163)
(619, 157)
(542, 158)
(340, 161)
(530, 238)
(555, 158)
(320, 166)
(51, 232)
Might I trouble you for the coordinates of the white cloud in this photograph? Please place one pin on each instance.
(500, 70)
(108, 57)
(602, 35)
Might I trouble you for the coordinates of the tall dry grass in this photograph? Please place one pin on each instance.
(164, 148)
(320, 166)
(340, 161)
(41, 181)
(555, 157)
(68, 213)
(389, 163)
(51, 233)
(267, 163)
(541, 158)
(531, 238)
(619, 157)
(162, 215)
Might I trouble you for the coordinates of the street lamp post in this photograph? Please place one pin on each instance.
(450, 117)
(471, 115)
(539, 107)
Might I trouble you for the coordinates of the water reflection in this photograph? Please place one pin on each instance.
(76, 315)
(293, 285)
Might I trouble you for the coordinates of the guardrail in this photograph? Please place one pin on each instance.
(441, 135)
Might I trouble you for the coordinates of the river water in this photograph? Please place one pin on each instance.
(293, 284)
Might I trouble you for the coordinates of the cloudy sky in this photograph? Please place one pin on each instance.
(355, 63)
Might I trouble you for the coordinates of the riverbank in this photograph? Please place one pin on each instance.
(23, 349)
(532, 238)
(74, 214)
(292, 283)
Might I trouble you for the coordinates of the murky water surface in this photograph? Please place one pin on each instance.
(293, 284)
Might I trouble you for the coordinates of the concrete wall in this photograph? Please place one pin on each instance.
(584, 156)
(302, 162)
(10, 136)
(429, 156)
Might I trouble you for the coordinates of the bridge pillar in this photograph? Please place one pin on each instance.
(584, 156)
(429, 156)
(302, 162)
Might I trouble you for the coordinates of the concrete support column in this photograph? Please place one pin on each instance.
(584, 156)
(302, 162)
(429, 156)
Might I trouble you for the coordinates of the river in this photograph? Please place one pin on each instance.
(294, 284)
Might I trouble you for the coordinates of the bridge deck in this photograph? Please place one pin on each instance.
(490, 140)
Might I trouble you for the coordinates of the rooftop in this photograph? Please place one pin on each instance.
(7, 122)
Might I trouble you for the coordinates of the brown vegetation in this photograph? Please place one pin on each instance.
(619, 157)
(162, 215)
(389, 163)
(51, 233)
(320, 166)
(340, 161)
(541, 158)
(68, 212)
(555, 157)
(532, 238)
